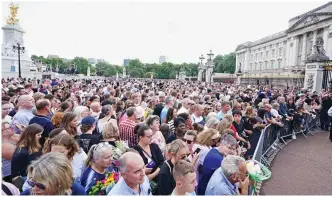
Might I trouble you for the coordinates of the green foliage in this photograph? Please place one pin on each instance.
(225, 64)
(81, 64)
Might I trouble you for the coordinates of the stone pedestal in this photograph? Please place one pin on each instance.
(12, 35)
(124, 73)
(199, 76)
(314, 76)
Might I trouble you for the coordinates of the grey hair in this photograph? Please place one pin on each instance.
(230, 164)
(211, 122)
(123, 160)
(95, 152)
(228, 139)
(106, 109)
(210, 115)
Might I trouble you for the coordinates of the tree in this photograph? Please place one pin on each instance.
(230, 63)
(110, 71)
(218, 61)
(225, 64)
(81, 64)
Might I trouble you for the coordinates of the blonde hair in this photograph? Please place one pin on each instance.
(54, 171)
(249, 111)
(110, 131)
(175, 146)
(182, 168)
(205, 137)
(229, 118)
(222, 125)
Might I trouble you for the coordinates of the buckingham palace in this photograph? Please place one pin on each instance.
(280, 59)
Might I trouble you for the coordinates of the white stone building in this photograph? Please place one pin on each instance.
(279, 59)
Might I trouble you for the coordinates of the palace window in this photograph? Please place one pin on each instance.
(12, 68)
(279, 64)
(273, 53)
(280, 52)
(272, 66)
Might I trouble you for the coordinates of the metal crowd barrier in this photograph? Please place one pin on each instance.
(273, 134)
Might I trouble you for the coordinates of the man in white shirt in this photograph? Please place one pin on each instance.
(185, 106)
(197, 117)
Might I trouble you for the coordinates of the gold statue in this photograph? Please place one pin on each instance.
(13, 10)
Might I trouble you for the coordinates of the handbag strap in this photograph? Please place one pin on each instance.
(6, 190)
(168, 166)
(146, 153)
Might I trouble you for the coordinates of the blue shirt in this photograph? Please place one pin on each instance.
(212, 162)
(76, 188)
(121, 188)
(23, 117)
(47, 125)
(220, 185)
(163, 114)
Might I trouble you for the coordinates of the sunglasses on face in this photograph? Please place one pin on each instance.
(38, 185)
(185, 156)
(187, 141)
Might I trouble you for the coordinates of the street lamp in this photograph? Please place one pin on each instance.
(19, 48)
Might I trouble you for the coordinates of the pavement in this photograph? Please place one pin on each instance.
(303, 167)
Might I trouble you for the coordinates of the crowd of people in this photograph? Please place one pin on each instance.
(181, 137)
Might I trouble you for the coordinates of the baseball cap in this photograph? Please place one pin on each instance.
(88, 120)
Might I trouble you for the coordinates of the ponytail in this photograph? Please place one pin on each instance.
(88, 161)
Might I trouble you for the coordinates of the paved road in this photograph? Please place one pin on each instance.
(303, 167)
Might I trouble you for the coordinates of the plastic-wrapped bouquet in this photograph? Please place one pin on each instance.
(257, 171)
(119, 149)
(102, 187)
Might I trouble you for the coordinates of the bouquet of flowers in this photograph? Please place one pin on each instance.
(120, 149)
(257, 171)
(102, 187)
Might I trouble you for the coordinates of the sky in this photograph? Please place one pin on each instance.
(180, 30)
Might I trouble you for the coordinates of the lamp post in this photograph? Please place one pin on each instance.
(19, 48)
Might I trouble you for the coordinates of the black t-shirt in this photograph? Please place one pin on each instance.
(261, 113)
(87, 140)
(157, 109)
(21, 160)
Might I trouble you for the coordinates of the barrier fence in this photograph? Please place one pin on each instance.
(272, 135)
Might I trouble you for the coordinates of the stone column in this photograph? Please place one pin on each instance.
(304, 46)
(296, 51)
(325, 38)
(288, 48)
(314, 40)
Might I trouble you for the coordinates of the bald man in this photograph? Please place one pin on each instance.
(21, 119)
(133, 179)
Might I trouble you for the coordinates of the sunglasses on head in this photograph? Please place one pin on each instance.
(33, 184)
(188, 141)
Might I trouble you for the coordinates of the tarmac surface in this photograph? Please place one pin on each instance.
(303, 167)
